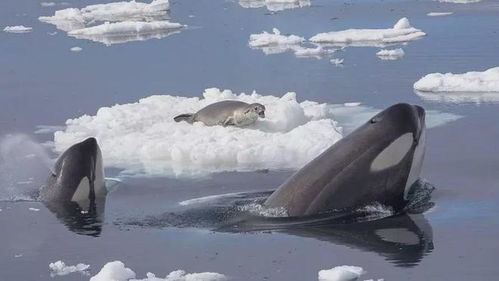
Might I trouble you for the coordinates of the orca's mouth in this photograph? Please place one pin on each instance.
(421, 122)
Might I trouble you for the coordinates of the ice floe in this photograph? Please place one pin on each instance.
(143, 139)
(59, 268)
(76, 49)
(47, 4)
(116, 22)
(341, 273)
(439, 14)
(460, 1)
(337, 62)
(460, 97)
(390, 54)
(401, 32)
(34, 209)
(474, 81)
(144, 136)
(276, 43)
(17, 29)
(116, 271)
(274, 5)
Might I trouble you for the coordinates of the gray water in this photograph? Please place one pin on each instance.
(43, 83)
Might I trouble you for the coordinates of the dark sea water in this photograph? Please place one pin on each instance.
(43, 83)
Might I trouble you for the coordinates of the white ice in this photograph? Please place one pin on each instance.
(401, 32)
(34, 209)
(72, 18)
(439, 14)
(341, 273)
(460, 1)
(116, 271)
(47, 4)
(460, 97)
(116, 22)
(336, 61)
(59, 268)
(274, 5)
(126, 31)
(275, 42)
(390, 54)
(469, 82)
(142, 137)
(76, 49)
(17, 29)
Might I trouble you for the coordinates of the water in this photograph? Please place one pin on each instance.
(43, 83)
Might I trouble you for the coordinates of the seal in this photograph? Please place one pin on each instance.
(377, 163)
(225, 113)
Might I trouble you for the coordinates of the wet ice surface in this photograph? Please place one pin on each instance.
(43, 83)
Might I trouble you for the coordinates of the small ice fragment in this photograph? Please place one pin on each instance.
(274, 5)
(460, 1)
(351, 104)
(76, 49)
(34, 209)
(17, 29)
(341, 273)
(47, 4)
(52, 33)
(390, 54)
(439, 14)
(337, 61)
(266, 39)
(18, 255)
(59, 268)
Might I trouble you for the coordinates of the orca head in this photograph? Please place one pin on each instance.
(78, 175)
(404, 133)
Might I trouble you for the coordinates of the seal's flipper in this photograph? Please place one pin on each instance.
(184, 117)
(229, 121)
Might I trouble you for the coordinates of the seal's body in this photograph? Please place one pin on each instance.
(226, 113)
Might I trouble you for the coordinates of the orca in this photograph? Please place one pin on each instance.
(375, 164)
(75, 190)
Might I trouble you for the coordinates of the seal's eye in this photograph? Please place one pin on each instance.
(256, 108)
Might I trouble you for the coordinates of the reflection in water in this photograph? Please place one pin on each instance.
(403, 239)
(111, 39)
(460, 97)
(84, 219)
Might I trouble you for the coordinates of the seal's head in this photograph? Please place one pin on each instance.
(256, 110)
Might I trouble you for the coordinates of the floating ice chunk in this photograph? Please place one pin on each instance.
(76, 49)
(116, 271)
(337, 61)
(439, 14)
(17, 29)
(274, 5)
(59, 268)
(460, 1)
(317, 52)
(143, 138)
(121, 32)
(475, 81)
(401, 32)
(34, 209)
(341, 273)
(73, 18)
(390, 54)
(47, 4)
(274, 43)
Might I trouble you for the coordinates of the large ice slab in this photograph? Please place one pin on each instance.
(401, 32)
(116, 22)
(143, 138)
(474, 81)
(274, 5)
